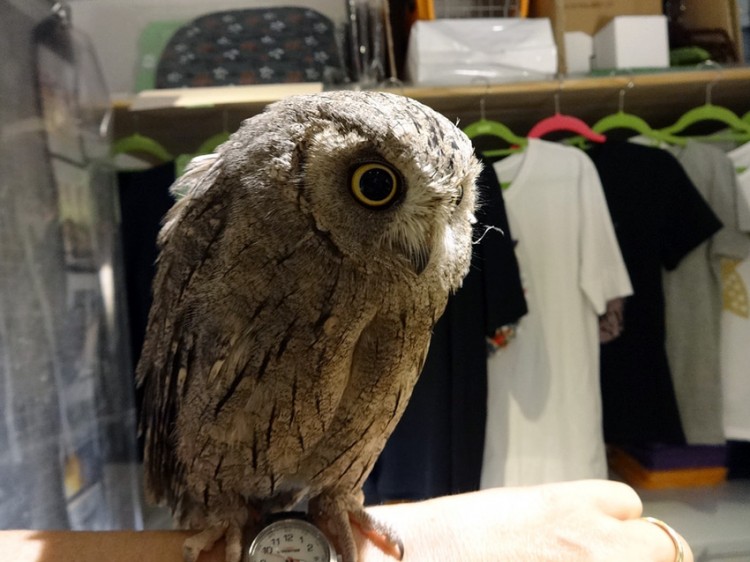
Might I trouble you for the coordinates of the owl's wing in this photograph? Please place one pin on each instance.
(262, 364)
(162, 369)
(200, 173)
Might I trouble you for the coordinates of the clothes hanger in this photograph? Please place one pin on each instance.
(710, 112)
(488, 127)
(138, 144)
(562, 122)
(212, 143)
(632, 122)
(207, 147)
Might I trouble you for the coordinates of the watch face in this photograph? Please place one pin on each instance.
(291, 540)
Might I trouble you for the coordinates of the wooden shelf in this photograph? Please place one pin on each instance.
(659, 98)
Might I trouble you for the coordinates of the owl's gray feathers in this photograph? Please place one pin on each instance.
(290, 321)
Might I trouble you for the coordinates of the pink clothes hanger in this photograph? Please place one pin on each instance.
(561, 122)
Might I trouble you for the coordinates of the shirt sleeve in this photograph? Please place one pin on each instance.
(686, 220)
(603, 275)
(494, 256)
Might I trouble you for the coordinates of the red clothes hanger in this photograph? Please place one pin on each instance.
(561, 122)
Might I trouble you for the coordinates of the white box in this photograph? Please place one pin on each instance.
(460, 51)
(579, 49)
(632, 42)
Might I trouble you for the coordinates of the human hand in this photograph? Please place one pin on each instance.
(584, 521)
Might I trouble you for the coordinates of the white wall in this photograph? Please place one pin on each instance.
(114, 26)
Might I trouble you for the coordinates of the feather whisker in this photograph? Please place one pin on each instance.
(488, 228)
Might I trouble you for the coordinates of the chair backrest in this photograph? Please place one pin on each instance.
(251, 46)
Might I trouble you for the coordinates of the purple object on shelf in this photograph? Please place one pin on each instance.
(675, 457)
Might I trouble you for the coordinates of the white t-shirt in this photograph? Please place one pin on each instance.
(735, 323)
(740, 157)
(544, 418)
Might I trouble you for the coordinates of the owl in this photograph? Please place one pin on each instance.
(299, 277)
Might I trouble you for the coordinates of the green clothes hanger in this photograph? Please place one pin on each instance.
(140, 145)
(207, 147)
(212, 143)
(632, 122)
(706, 113)
(136, 144)
(488, 127)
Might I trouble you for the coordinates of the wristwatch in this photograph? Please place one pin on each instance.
(291, 537)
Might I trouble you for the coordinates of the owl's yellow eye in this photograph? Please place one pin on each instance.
(374, 185)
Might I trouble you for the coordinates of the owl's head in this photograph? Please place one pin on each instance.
(388, 180)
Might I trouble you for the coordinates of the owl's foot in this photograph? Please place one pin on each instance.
(206, 539)
(378, 532)
(339, 515)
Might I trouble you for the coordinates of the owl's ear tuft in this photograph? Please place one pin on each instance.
(199, 175)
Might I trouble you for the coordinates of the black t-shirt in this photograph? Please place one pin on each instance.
(144, 200)
(659, 217)
(437, 447)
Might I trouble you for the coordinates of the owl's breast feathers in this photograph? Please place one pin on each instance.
(270, 370)
(274, 365)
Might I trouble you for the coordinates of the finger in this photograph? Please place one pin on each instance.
(668, 544)
(615, 499)
(621, 502)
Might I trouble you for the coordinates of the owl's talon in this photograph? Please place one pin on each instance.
(207, 539)
(378, 533)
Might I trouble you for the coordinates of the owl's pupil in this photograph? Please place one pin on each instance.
(376, 184)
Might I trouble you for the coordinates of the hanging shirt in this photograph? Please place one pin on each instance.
(693, 295)
(740, 157)
(735, 321)
(544, 410)
(659, 218)
(436, 448)
(144, 200)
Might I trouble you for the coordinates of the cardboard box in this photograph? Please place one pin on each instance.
(636, 474)
(632, 42)
(588, 16)
(722, 14)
